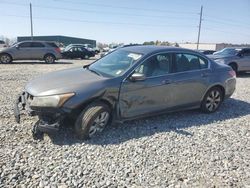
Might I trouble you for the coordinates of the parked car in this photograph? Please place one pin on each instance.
(87, 46)
(116, 47)
(31, 50)
(78, 52)
(2, 44)
(96, 49)
(129, 83)
(237, 58)
(113, 48)
(207, 52)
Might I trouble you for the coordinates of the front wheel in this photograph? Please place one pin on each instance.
(212, 100)
(92, 120)
(5, 58)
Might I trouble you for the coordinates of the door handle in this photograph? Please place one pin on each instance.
(166, 82)
(204, 74)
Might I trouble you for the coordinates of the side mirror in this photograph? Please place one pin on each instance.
(137, 77)
(17, 46)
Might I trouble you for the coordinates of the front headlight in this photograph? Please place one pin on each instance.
(51, 101)
(220, 61)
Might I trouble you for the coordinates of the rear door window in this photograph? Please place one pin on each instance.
(188, 62)
(37, 45)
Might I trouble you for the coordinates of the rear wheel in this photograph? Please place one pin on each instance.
(212, 100)
(5, 58)
(86, 57)
(92, 120)
(49, 58)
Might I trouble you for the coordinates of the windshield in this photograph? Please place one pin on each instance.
(116, 63)
(228, 51)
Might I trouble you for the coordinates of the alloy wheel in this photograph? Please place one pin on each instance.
(213, 100)
(49, 59)
(99, 123)
(5, 59)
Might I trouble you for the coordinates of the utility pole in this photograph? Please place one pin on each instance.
(198, 41)
(31, 22)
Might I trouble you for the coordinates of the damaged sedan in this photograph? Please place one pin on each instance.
(129, 83)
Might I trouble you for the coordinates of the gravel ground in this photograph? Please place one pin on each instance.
(184, 149)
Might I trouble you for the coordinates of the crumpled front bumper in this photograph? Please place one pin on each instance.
(22, 104)
(49, 119)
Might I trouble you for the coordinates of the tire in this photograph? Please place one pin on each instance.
(86, 57)
(5, 58)
(234, 67)
(92, 120)
(212, 100)
(49, 58)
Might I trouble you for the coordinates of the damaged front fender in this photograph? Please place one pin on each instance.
(49, 118)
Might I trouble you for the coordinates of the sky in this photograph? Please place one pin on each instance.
(130, 21)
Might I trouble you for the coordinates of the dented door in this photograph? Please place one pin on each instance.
(142, 97)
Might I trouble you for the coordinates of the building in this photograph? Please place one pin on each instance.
(59, 39)
(205, 46)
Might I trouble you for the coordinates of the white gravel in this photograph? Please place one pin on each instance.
(184, 149)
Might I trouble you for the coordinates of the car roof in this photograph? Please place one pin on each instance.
(237, 48)
(36, 41)
(146, 49)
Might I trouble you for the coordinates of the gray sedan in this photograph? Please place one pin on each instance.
(129, 83)
(237, 58)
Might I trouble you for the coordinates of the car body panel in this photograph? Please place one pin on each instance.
(75, 79)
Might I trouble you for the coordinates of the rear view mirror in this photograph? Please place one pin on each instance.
(137, 77)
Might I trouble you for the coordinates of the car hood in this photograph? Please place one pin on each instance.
(64, 81)
(214, 57)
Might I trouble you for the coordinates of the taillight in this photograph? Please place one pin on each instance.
(58, 50)
(232, 73)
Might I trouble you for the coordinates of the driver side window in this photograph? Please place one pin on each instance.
(156, 65)
(25, 45)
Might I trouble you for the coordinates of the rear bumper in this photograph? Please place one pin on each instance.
(230, 87)
(49, 119)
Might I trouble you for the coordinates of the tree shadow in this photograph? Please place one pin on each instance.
(175, 122)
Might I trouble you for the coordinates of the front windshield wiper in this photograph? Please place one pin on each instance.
(94, 71)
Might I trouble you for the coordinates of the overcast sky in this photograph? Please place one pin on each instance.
(130, 21)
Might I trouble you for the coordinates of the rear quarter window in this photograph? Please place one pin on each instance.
(37, 45)
(52, 44)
